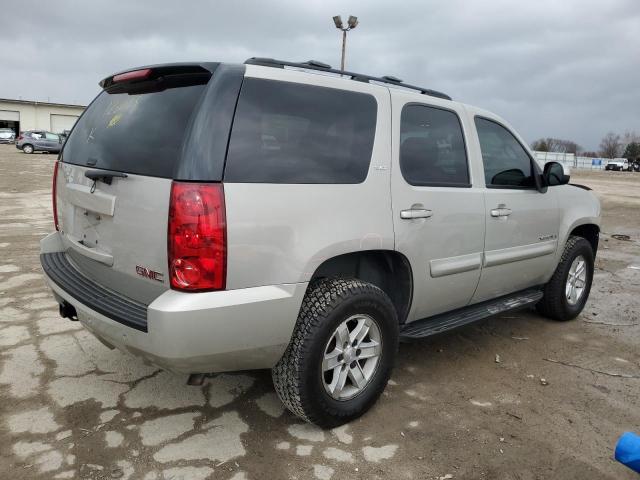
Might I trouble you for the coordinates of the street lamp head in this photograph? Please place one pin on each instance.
(338, 21)
(353, 22)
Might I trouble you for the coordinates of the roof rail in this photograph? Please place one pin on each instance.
(360, 77)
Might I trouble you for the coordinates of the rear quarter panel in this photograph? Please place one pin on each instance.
(280, 233)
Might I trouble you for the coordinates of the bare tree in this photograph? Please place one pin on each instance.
(569, 146)
(610, 145)
(629, 137)
(540, 145)
(550, 144)
(554, 145)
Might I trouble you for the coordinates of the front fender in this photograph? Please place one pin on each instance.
(576, 207)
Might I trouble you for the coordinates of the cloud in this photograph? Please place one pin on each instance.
(564, 69)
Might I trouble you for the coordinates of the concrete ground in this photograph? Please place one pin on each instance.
(71, 408)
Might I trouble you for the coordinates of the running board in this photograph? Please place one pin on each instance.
(473, 313)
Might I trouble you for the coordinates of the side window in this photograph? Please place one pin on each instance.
(292, 133)
(52, 136)
(506, 162)
(432, 151)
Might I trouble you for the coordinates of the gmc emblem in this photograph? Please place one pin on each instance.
(145, 272)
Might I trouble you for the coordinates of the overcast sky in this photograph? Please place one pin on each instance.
(561, 68)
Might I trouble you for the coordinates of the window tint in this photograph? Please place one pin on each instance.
(506, 163)
(432, 150)
(134, 133)
(291, 133)
(52, 136)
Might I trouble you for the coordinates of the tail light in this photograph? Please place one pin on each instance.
(20, 137)
(197, 243)
(54, 192)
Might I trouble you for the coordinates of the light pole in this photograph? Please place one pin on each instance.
(351, 24)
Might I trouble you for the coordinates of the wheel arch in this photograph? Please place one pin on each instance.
(387, 269)
(588, 231)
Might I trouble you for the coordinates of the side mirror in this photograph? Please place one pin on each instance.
(554, 174)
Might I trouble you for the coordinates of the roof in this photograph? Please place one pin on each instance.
(35, 102)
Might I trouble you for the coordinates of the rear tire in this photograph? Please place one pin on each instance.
(27, 148)
(568, 290)
(308, 380)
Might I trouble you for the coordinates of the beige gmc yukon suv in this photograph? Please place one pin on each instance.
(214, 217)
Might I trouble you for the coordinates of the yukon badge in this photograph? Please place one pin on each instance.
(145, 272)
(544, 238)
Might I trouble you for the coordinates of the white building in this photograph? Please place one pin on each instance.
(21, 115)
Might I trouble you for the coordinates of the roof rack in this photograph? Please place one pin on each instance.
(360, 77)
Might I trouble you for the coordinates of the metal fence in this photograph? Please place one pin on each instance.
(571, 160)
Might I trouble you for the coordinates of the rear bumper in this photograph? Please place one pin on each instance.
(197, 332)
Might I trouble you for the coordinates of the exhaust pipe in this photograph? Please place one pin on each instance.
(68, 311)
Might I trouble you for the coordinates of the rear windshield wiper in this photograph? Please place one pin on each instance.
(106, 177)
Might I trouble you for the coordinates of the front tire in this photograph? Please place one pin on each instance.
(568, 290)
(341, 353)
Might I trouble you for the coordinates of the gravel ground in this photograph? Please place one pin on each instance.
(71, 408)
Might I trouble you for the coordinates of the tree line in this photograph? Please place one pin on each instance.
(612, 145)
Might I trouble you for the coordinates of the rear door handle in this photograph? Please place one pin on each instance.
(501, 211)
(415, 213)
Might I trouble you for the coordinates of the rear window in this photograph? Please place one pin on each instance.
(138, 133)
(292, 133)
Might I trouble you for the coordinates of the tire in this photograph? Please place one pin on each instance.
(555, 303)
(27, 148)
(298, 377)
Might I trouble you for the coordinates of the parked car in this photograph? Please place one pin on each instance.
(618, 164)
(39, 141)
(303, 223)
(7, 135)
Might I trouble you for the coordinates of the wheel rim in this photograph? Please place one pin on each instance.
(351, 357)
(28, 149)
(576, 280)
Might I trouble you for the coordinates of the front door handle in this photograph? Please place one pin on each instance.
(415, 213)
(501, 211)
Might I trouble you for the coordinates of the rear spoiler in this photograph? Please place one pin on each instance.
(153, 72)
